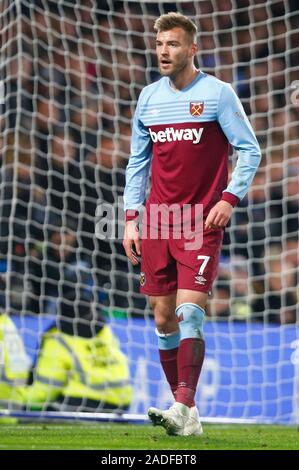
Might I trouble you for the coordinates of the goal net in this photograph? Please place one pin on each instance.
(70, 75)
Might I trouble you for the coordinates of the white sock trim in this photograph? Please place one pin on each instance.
(190, 303)
(166, 335)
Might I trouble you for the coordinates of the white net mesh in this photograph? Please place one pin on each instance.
(71, 72)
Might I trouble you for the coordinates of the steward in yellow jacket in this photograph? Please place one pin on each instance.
(14, 362)
(80, 365)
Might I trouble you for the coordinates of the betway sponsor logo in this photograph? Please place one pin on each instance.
(170, 134)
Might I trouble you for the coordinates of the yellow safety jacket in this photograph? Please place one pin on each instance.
(72, 366)
(14, 362)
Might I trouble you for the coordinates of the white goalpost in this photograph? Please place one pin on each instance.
(70, 76)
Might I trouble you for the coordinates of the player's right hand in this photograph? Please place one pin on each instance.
(132, 242)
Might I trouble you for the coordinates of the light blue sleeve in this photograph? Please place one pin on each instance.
(238, 130)
(139, 163)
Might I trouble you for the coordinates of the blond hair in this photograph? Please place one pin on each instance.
(176, 20)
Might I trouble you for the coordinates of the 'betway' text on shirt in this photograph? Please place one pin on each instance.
(170, 134)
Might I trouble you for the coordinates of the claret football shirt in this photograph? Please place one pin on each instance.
(186, 136)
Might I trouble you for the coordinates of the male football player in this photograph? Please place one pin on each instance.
(183, 127)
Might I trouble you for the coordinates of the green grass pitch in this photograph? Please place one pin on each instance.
(123, 436)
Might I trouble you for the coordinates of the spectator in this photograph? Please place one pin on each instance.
(230, 294)
(54, 262)
(277, 302)
(28, 200)
(219, 306)
(69, 184)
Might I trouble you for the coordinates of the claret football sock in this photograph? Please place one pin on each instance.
(168, 350)
(190, 359)
(168, 359)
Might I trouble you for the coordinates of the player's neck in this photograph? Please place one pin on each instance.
(184, 78)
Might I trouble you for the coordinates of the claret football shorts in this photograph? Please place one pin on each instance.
(166, 265)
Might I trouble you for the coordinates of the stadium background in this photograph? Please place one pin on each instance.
(71, 73)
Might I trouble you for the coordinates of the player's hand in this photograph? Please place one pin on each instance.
(132, 242)
(219, 215)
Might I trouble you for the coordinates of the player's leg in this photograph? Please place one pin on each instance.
(158, 281)
(196, 272)
(197, 269)
(190, 313)
(168, 334)
(168, 341)
(182, 418)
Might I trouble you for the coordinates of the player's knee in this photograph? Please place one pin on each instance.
(161, 322)
(164, 318)
(159, 305)
(165, 324)
(168, 341)
(191, 319)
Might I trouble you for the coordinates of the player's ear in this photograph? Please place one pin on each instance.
(194, 48)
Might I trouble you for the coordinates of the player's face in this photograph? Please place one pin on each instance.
(174, 51)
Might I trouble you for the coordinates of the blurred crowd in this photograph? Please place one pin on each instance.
(72, 74)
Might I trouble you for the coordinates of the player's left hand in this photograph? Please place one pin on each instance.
(219, 215)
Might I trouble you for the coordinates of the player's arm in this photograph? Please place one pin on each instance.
(136, 183)
(132, 241)
(238, 130)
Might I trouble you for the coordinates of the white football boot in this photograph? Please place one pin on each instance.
(179, 420)
(193, 426)
(173, 420)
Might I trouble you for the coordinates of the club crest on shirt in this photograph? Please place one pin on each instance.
(196, 109)
(142, 279)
